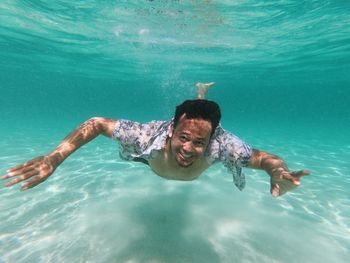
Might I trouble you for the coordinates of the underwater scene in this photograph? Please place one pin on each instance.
(282, 79)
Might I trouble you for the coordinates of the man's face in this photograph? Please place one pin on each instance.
(189, 140)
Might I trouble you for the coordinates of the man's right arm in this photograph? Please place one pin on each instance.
(39, 169)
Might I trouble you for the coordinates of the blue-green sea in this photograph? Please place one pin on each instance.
(282, 74)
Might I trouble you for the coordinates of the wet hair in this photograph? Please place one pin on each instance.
(199, 109)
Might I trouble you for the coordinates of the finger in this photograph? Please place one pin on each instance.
(287, 176)
(17, 172)
(28, 163)
(32, 182)
(20, 166)
(3, 177)
(301, 173)
(22, 178)
(275, 190)
(296, 182)
(7, 175)
(293, 177)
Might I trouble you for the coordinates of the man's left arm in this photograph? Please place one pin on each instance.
(282, 180)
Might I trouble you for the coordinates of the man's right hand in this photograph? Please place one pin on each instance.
(32, 172)
(39, 169)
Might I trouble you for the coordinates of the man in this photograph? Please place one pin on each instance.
(180, 149)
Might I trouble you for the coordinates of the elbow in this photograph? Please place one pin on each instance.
(95, 124)
(103, 125)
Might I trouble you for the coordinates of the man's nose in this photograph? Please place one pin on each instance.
(187, 146)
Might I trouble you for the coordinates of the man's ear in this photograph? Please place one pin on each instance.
(171, 131)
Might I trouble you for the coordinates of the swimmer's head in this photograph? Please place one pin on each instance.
(199, 109)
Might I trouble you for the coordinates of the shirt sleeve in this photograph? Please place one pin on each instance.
(233, 153)
(134, 137)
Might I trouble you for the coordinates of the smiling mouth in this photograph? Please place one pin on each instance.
(186, 158)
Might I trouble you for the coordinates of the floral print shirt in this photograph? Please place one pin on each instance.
(142, 142)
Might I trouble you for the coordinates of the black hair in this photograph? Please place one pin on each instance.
(199, 109)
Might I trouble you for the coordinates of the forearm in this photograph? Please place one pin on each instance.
(82, 135)
(272, 164)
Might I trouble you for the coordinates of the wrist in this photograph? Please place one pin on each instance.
(55, 158)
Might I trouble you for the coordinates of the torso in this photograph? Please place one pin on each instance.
(163, 167)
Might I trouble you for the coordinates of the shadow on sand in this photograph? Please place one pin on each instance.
(165, 220)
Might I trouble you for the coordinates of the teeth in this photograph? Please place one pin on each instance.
(186, 155)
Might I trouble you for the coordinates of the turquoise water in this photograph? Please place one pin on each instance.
(282, 73)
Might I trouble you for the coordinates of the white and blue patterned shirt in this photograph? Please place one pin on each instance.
(142, 141)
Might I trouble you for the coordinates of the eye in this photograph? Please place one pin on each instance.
(183, 138)
(199, 143)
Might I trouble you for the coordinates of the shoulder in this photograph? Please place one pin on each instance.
(226, 146)
(225, 137)
(127, 128)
